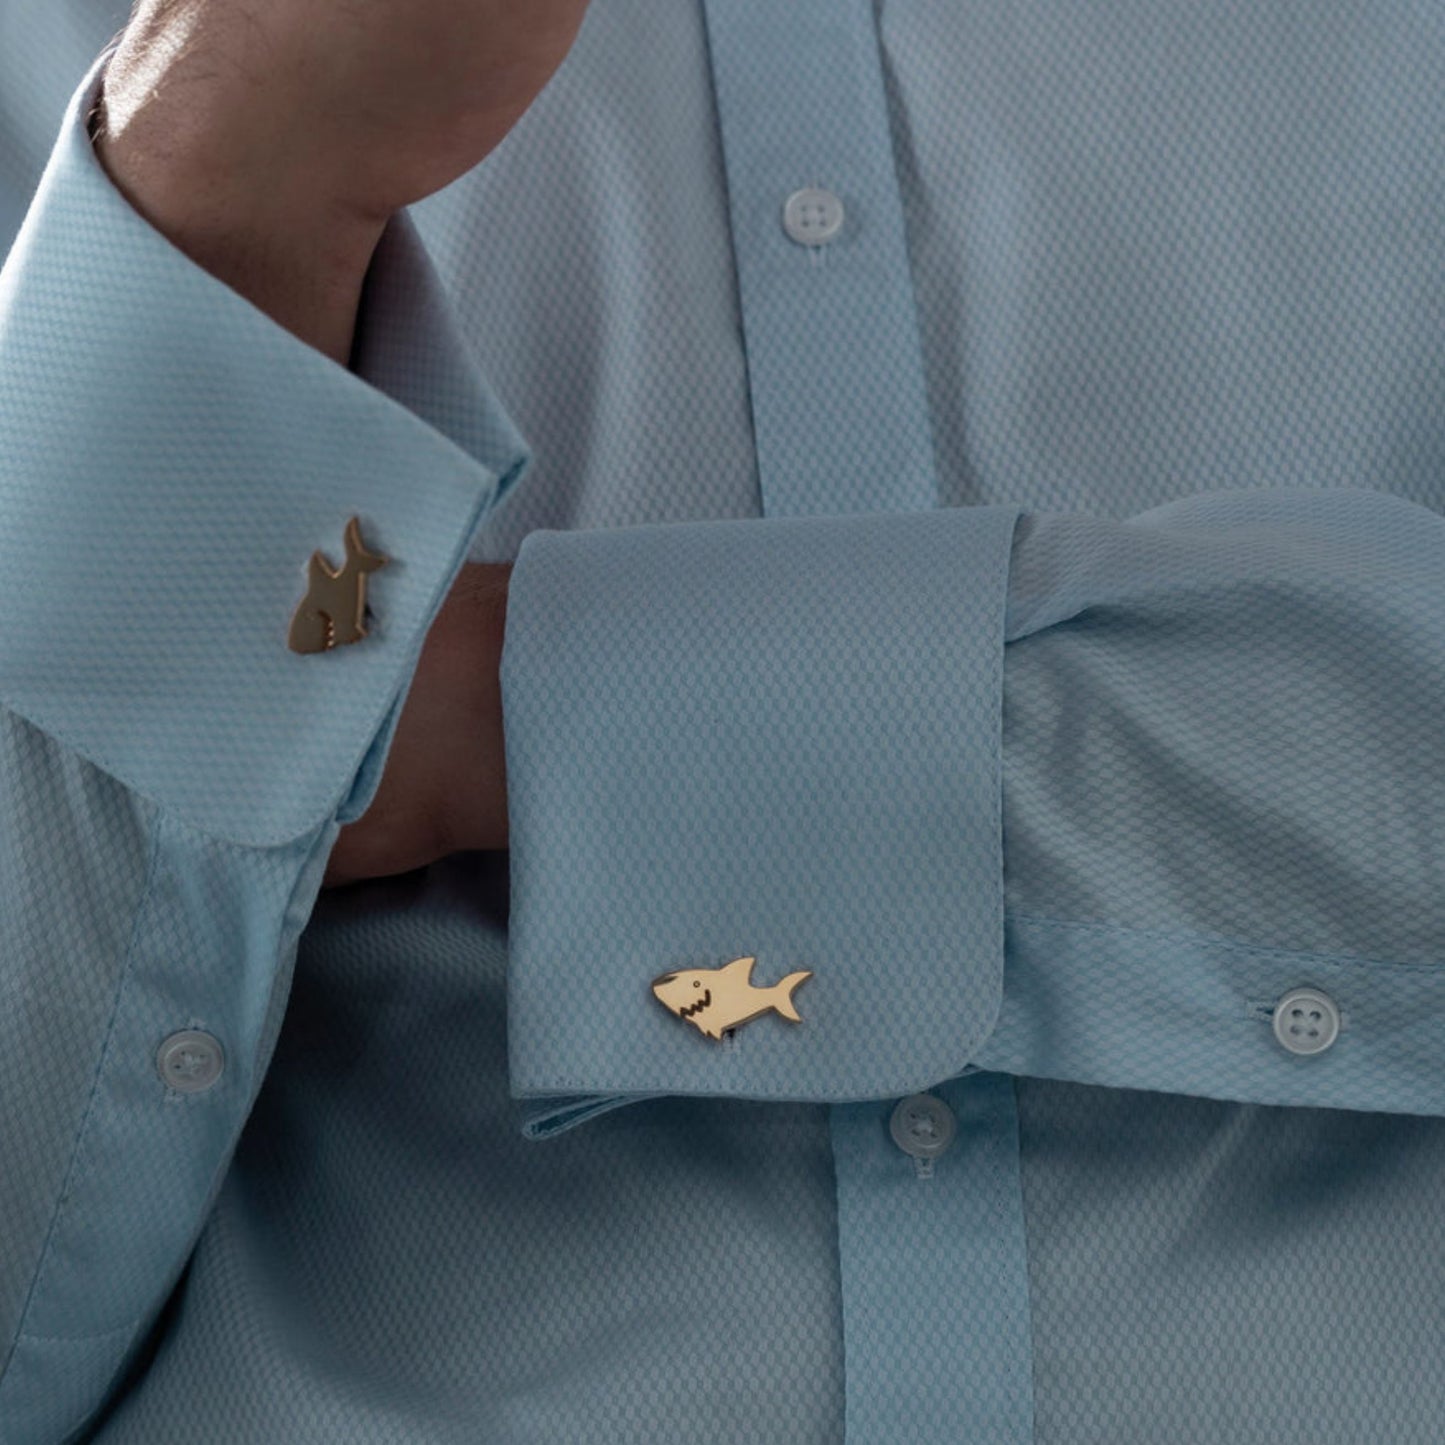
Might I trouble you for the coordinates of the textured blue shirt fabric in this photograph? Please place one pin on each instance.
(1020, 612)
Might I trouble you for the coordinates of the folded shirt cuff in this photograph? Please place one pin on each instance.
(170, 458)
(776, 739)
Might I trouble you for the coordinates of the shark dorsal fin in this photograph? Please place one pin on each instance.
(740, 968)
(320, 568)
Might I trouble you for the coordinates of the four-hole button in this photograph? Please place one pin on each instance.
(1306, 1021)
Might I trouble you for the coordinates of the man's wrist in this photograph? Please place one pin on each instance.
(218, 170)
(474, 633)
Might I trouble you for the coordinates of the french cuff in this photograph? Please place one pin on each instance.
(170, 458)
(769, 739)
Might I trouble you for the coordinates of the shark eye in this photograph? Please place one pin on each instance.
(697, 983)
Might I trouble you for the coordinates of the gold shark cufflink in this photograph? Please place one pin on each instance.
(334, 608)
(717, 1000)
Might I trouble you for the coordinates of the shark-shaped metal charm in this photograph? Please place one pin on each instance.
(718, 999)
(332, 610)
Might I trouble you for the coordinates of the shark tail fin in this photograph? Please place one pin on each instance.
(784, 990)
(356, 552)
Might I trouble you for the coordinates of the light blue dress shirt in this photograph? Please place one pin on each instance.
(975, 475)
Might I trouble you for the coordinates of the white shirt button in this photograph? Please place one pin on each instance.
(1306, 1021)
(922, 1125)
(190, 1061)
(812, 216)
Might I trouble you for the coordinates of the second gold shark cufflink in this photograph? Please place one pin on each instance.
(332, 611)
(718, 999)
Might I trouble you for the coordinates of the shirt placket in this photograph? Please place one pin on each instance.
(936, 1336)
(931, 1242)
(835, 370)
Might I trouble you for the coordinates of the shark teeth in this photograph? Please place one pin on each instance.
(697, 1007)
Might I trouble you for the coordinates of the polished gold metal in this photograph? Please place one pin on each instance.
(332, 610)
(716, 1000)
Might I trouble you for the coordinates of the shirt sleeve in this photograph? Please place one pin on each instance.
(172, 774)
(1061, 795)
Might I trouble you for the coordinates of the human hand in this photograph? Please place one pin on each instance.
(380, 102)
(272, 140)
(444, 787)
